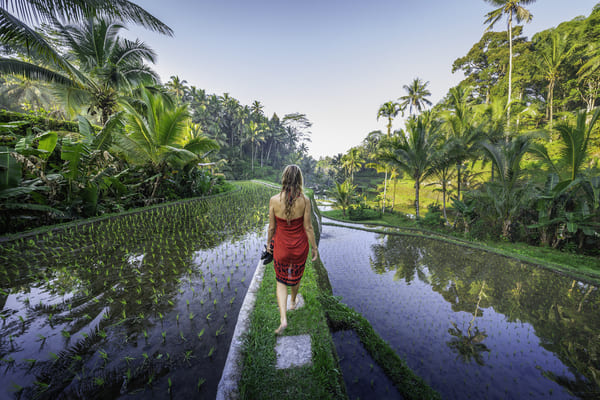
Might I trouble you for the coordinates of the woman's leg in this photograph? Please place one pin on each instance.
(294, 294)
(282, 293)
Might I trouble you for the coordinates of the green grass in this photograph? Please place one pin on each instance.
(260, 379)
(409, 385)
(582, 267)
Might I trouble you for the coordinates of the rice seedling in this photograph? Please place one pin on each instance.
(122, 275)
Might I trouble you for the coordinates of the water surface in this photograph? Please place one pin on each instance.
(472, 324)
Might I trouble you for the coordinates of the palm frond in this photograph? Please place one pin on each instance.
(47, 10)
(32, 71)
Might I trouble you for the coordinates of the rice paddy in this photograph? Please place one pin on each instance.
(138, 305)
(470, 323)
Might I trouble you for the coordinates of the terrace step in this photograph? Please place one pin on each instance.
(293, 351)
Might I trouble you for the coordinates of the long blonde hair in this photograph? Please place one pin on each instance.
(291, 186)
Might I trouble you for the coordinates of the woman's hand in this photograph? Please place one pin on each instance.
(315, 253)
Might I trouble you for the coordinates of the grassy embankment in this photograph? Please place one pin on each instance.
(322, 379)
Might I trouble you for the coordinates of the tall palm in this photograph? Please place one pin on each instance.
(553, 53)
(18, 16)
(512, 9)
(177, 87)
(416, 96)
(352, 161)
(255, 137)
(413, 152)
(109, 65)
(389, 110)
(461, 132)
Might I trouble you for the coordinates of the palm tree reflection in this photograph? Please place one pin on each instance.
(468, 344)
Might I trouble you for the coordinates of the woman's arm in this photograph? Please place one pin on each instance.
(272, 226)
(308, 228)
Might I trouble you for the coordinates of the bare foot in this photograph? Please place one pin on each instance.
(293, 304)
(280, 330)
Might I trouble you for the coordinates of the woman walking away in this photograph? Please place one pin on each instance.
(290, 232)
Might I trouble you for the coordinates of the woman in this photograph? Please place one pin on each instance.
(290, 232)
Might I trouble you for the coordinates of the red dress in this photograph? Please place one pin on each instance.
(290, 249)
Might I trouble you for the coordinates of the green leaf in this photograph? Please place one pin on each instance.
(47, 143)
(72, 152)
(572, 227)
(10, 170)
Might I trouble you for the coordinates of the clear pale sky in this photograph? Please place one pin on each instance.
(336, 61)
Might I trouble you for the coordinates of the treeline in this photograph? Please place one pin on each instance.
(92, 130)
(521, 170)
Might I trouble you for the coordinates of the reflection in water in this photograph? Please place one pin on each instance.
(468, 345)
(531, 333)
(136, 306)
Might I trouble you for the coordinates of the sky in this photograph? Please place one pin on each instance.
(336, 61)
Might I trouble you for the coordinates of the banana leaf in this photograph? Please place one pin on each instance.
(10, 170)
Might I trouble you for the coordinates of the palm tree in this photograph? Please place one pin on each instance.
(462, 134)
(342, 194)
(15, 30)
(352, 161)
(413, 152)
(416, 96)
(177, 87)
(255, 137)
(575, 148)
(507, 193)
(109, 65)
(390, 111)
(157, 135)
(512, 9)
(552, 55)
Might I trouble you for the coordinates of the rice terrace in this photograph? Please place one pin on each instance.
(299, 200)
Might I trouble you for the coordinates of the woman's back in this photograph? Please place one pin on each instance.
(297, 210)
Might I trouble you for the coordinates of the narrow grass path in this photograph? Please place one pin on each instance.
(260, 379)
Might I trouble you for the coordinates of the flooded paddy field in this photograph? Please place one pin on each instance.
(471, 323)
(137, 306)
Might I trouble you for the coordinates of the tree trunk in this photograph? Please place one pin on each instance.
(394, 195)
(384, 192)
(510, 53)
(155, 186)
(444, 200)
(458, 177)
(550, 100)
(417, 184)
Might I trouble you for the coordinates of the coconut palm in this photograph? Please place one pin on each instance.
(416, 96)
(512, 9)
(352, 161)
(109, 65)
(157, 135)
(389, 110)
(413, 151)
(553, 53)
(343, 194)
(461, 132)
(177, 87)
(16, 18)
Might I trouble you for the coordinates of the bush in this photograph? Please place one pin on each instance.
(434, 216)
(21, 122)
(359, 212)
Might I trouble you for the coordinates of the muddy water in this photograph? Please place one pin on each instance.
(472, 324)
